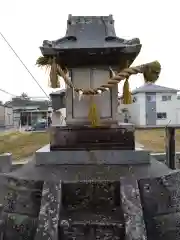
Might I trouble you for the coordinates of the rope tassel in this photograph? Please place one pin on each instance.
(53, 75)
(127, 99)
(93, 114)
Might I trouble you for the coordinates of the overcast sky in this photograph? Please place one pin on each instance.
(26, 23)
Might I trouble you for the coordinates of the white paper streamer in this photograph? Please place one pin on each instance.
(113, 73)
(99, 91)
(73, 93)
(80, 93)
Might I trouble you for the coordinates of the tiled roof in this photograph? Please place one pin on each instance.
(42, 105)
(80, 30)
(150, 87)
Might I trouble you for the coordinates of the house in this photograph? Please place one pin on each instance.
(27, 111)
(6, 116)
(153, 105)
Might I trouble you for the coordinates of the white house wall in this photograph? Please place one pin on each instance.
(2, 116)
(6, 117)
(169, 107)
(133, 110)
(59, 117)
(9, 118)
(178, 113)
(136, 109)
(140, 101)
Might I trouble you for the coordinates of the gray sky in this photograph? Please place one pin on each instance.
(26, 23)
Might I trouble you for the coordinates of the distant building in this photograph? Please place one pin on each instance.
(27, 111)
(153, 105)
(6, 116)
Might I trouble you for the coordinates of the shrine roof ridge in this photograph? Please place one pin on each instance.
(91, 32)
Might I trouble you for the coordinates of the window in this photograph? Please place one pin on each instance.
(161, 115)
(151, 98)
(166, 98)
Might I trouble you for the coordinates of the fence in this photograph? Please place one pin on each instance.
(170, 142)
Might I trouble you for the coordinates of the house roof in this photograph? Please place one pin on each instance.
(17, 102)
(153, 88)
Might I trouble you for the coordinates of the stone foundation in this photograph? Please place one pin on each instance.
(73, 138)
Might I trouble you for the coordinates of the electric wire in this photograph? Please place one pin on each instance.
(4, 91)
(23, 63)
(15, 96)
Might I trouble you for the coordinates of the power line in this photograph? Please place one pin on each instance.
(13, 95)
(4, 91)
(23, 64)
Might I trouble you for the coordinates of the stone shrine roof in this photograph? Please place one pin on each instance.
(93, 36)
(92, 31)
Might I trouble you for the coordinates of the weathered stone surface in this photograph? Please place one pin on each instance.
(93, 172)
(168, 226)
(5, 162)
(91, 157)
(23, 197)
(95, 195)
(19, 227)
(91, 210)
(98, 231)
(133, 214)
(161, 195)
(5, 167)
(73, 138)
(161, 204)
(49, 212)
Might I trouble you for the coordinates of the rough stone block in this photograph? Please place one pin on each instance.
(19, 227)
(49, 212)
(23, 197)
(161, 204)
(161, 195)
(168, 226)
(133, 214)
(5, 162)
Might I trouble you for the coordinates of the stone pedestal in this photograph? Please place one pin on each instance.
(82, 138)
(91, 199)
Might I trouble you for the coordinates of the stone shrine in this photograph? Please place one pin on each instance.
(90, 182)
